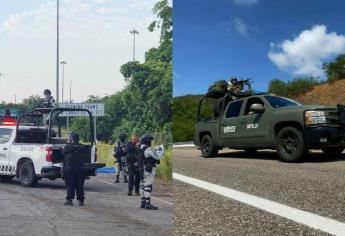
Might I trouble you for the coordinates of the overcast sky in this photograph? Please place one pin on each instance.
(94, 40)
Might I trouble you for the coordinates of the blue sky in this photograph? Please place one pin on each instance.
(259, 39)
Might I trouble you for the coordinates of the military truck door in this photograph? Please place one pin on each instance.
(254, 124)
(230, 124)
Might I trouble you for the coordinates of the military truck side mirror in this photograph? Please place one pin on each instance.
(257, 108)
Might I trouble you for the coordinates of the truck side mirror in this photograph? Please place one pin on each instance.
(257, 108)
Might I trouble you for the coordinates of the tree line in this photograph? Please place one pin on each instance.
(334, 70)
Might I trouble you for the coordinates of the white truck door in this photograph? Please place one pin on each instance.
(5, 137)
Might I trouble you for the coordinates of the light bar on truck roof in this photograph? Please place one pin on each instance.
(8, 121)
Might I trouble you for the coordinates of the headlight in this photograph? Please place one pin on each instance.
(315, 117)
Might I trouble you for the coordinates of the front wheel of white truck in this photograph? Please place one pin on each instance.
(27, 175)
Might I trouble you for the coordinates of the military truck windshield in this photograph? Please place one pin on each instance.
(277, 102)
(5, 135)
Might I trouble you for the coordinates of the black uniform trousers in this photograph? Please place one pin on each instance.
(74, 181)
(134, 178)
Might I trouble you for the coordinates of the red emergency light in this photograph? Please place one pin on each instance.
(8, 121)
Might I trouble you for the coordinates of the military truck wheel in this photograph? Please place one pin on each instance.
(290, 145)
(207, 147)
(27, 175)
(333, 151)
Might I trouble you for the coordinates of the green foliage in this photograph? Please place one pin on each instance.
(81, 126)
(277, 87)
(185, 109)
(147, 98)
(335, 70)
(293, 87)
(164, 169)
(32, 102)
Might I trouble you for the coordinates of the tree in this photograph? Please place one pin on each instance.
(335, 70)
(33, 101)
(148, 94)
(292, 87)
(277, 87)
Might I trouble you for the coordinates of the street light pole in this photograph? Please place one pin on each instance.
(134, 32)
(63, 63)
(57, 53)
(70, 91)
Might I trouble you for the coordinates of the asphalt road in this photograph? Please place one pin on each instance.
(317, 186)
(107, 211)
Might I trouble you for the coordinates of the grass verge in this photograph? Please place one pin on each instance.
(164, 169)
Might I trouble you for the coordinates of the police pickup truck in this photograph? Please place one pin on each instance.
(30, 146)
(265, 121)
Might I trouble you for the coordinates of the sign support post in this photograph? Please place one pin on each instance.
(95, 129)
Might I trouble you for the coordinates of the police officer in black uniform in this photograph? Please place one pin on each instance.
(132, 157)
(72, 169)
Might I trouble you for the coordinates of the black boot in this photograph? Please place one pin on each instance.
(68, 203)
(129, 193)
(81, 203)
(117, 180)
(125, 179)
(143, 202)
(137, 192)
(148, 205)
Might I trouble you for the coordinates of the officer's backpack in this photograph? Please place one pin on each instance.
(217, 89)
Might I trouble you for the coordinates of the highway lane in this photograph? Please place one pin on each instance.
(316, 186)
(108, 210)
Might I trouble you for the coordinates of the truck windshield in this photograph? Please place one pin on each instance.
(5, 135)
(277, 102)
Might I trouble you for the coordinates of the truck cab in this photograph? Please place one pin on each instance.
(265, 121)
(30, 146)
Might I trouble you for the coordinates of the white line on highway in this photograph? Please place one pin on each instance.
(315, 221)
(157, 198)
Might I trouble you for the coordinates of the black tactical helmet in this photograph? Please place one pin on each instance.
(146, 139)
(47, 91)
(123, 137)
(234, 79)
(74, 137)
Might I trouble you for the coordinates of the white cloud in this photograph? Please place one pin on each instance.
(305, 54)
(241, 27)
(244, 2)
(94, 40)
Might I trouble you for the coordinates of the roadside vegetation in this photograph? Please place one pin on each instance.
(164, 169)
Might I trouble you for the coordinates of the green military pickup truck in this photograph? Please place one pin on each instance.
(264, 121)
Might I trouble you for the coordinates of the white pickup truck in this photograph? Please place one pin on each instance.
(30, 146)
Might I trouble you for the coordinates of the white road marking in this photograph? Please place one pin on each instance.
(312, 220)
(157, 198)
(183, 145)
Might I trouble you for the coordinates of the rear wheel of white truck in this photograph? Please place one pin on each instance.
(27, 175)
